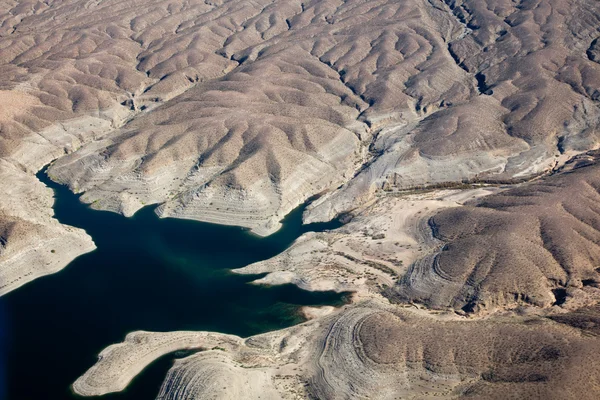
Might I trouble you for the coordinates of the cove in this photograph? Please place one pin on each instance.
(146, 274)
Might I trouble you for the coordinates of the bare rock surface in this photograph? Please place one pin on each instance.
(533, 65)
(32, 243)
(290, 119)
(535, 244)
(388, 354)
(227, 152)
(120, 363)
(369, 253)
(371, 350)
(235, 112)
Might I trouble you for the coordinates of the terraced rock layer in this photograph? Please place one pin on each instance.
(536, 244)
(375, 350)
(32, 243)
(235, 112)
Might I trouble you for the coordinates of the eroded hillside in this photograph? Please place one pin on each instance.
(537, 244)
(236, 112)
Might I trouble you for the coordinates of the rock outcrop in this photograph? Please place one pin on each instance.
(372, 350)
(535, 244)
(32, 243)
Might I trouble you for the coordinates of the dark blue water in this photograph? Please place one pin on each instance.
(147, 274)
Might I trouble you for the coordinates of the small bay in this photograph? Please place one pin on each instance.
(146, 274)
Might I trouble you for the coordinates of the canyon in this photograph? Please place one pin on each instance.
(456, 140)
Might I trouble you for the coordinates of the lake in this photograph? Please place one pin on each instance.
(146, 274)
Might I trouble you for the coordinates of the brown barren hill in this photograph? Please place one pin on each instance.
(376, 351)
(536, 79)
(535, 244)
(390, 354)
(235, 112)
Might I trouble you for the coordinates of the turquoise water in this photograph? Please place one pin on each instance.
(147, 274)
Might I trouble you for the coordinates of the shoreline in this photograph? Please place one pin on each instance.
(97, 380)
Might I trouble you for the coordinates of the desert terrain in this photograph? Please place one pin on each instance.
(457, 141)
